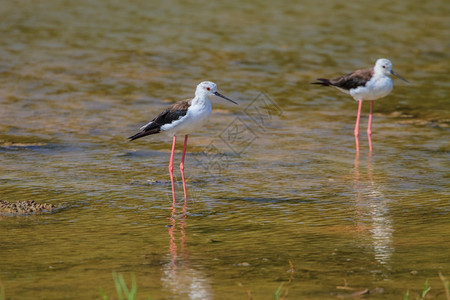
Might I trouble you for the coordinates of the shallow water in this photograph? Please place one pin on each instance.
(271, 181)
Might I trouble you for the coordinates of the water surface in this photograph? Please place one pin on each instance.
(265, 188)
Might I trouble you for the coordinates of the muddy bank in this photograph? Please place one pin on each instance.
(21, 208)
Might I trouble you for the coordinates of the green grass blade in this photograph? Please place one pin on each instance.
(278, 291)
(133, 292)
(447, 289)
(118, 286)
(104, 297)
(123, 285)
(406, 295)
(425, 290)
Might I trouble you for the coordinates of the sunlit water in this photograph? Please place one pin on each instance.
(271, 181)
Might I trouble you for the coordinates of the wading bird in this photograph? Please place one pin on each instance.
(368, 84)
(182, 117)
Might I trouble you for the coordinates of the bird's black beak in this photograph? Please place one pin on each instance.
(222, 96)
(395, 74)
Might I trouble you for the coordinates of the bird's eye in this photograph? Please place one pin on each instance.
(208, 88)
(384, 67)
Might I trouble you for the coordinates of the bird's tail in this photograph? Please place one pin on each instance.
(143, 133)
(323, 81)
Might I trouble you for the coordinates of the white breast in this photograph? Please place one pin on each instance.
(196, 116)
(377, 87)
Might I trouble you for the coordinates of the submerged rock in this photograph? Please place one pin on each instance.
(25, 208)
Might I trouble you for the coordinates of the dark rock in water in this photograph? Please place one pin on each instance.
(25, 208)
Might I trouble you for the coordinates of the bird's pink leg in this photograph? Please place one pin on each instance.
(369, 126)
(182, 167)
(357, 125)
(171, 169)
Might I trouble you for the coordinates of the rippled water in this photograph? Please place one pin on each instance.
(271, 181)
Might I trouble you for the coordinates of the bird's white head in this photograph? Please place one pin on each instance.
(207, 88)
(383, 66)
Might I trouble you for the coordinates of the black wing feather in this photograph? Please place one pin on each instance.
(171, 114)
(350, 81)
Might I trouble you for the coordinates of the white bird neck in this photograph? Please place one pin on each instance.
(378, 74)
(200, 99)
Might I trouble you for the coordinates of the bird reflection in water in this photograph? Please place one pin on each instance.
(372, 208)
(177, 275)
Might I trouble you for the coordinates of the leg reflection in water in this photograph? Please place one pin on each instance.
(178, 276)
(373, 214)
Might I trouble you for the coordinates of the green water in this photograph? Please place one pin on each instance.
(265, 187)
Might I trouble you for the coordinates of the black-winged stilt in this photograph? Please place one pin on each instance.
(368, 84)
(182, 117)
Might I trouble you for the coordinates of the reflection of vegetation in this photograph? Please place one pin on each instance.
(121, 287)
(426, 289)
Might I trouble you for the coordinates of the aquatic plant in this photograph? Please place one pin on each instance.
(446, 284)
(123, 293)
(425, 291)
(279, 295)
